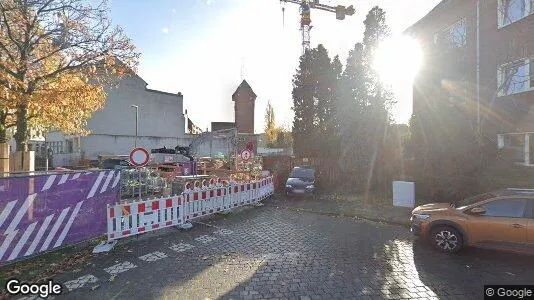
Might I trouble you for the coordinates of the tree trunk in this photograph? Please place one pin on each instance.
(3, 126)
(21, 136)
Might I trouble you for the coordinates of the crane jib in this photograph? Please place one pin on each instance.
(305, 7)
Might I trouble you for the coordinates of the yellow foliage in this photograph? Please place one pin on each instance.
(270, 124)
(66, 104)
(58, 80)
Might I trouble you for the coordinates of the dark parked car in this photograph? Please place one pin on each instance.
(301, 181)
(114, 162)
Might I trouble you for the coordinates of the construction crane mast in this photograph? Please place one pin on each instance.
(305, 18)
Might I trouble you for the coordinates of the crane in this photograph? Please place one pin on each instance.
(305, 19)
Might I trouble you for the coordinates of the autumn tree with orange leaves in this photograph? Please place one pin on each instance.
(56, 58)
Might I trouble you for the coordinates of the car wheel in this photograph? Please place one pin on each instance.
(446, 239)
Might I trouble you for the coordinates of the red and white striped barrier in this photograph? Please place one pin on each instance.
(197, 200)
(144, 216)
(203, 202)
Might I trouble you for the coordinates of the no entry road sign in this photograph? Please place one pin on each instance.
(139, 157)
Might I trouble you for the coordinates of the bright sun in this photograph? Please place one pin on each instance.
(398, 60)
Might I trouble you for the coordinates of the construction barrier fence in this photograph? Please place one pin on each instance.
(128, 219)
(39, 213)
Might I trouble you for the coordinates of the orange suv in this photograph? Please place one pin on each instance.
(502, 219)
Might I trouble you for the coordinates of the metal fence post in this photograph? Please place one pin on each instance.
(121, 182)
(139, 186)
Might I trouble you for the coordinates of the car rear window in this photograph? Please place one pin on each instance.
(303, 173)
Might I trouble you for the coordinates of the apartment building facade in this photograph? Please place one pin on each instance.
(479, 57)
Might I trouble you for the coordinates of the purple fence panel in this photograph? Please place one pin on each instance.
(188, 168)
(40, 213)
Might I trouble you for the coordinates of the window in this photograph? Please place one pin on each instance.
(56, 147)
(508, 208)
(474, 199)
(454, 36)
(68, 145)
(515, 140)
(511, 11)
(303, 173)
(457, 34)
(515, 77)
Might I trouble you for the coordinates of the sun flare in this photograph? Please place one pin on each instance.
(398, 60)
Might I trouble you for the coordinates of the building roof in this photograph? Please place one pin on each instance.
(243, 86)
(127, 69)
(437, 9)
(192, 127)
(179, 94)
(132, 72)
(221, 125)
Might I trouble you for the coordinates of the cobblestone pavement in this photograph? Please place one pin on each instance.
(269, 252)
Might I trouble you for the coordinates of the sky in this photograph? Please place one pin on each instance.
(202, 48)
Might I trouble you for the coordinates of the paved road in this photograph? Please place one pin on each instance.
(266, 252)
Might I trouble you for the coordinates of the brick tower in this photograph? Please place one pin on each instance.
(244, 98)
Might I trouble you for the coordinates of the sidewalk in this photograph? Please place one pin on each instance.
(46, 266)
(347, 206)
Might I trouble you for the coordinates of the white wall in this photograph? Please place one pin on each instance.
(160, 114)
(213, 147)
(55, 136)
(94, 145)
(34, 139)
(161, 123)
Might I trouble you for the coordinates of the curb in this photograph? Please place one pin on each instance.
(361, 217)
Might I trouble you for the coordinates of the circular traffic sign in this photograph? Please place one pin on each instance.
(246, 154)
(139, 157)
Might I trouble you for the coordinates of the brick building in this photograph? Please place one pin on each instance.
(216, 126)
(479, 57)
(244, 99)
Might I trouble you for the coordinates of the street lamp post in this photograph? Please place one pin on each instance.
(46, 155)
(135, 145)
(136, 123)
(45, 152)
